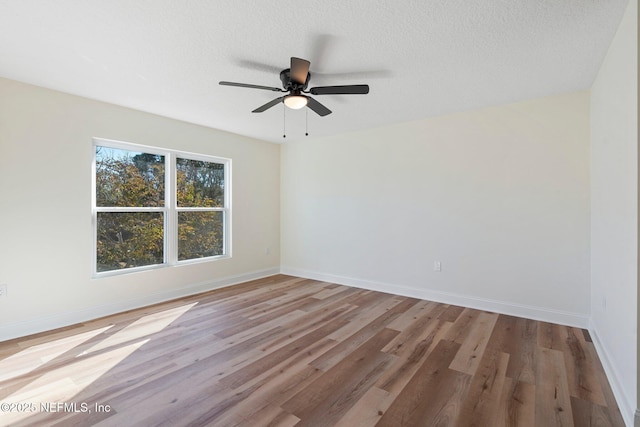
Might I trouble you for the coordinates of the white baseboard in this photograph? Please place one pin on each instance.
(41, 324)
(502, 307)
(625, 402)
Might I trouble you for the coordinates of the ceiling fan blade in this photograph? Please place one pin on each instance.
(299, 70)
(320, 109)
(274, 89)
(258, 66)
(340, 90)
(268, 105)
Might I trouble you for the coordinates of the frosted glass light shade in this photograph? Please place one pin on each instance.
(295, 102)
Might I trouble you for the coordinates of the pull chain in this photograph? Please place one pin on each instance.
(284, 122)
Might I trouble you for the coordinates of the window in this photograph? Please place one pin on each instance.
(154, 207)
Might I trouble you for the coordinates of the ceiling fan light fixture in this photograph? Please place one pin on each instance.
(295, 81)
(295, 102)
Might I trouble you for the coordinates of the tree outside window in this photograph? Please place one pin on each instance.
(157, 207)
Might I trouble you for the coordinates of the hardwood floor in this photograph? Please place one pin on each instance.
(285, 351)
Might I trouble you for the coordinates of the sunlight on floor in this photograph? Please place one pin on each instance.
(142, 327)
(62, 384)
(35, 356)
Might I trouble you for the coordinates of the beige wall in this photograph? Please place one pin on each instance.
(499, 196)
(614, 211)
(45, 207)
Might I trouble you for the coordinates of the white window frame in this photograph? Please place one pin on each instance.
(170, 209)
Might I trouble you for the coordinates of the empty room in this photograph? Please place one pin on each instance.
(336, 213)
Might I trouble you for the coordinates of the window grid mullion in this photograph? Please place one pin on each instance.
(128, 209)
(200, 209)
(171, 231)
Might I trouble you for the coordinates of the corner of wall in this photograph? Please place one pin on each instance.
(625, 402)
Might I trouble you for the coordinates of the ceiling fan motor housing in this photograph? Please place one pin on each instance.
(287, 84)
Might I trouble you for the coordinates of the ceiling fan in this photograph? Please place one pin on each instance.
(295, 81)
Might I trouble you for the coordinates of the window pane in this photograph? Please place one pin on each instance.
(129, 178)
(129, 239)
(200, 183)
(200, 234)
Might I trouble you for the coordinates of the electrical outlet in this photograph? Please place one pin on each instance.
(437, 266)
(3, 290)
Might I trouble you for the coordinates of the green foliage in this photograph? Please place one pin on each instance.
(200, 184)
(199, 234)
(123, 180)
(129, 239)
(132, 239)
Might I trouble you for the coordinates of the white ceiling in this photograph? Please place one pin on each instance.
(421, 58)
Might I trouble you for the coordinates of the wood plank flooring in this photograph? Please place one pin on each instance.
(285, 351)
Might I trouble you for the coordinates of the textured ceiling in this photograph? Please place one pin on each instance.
(421, 58)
